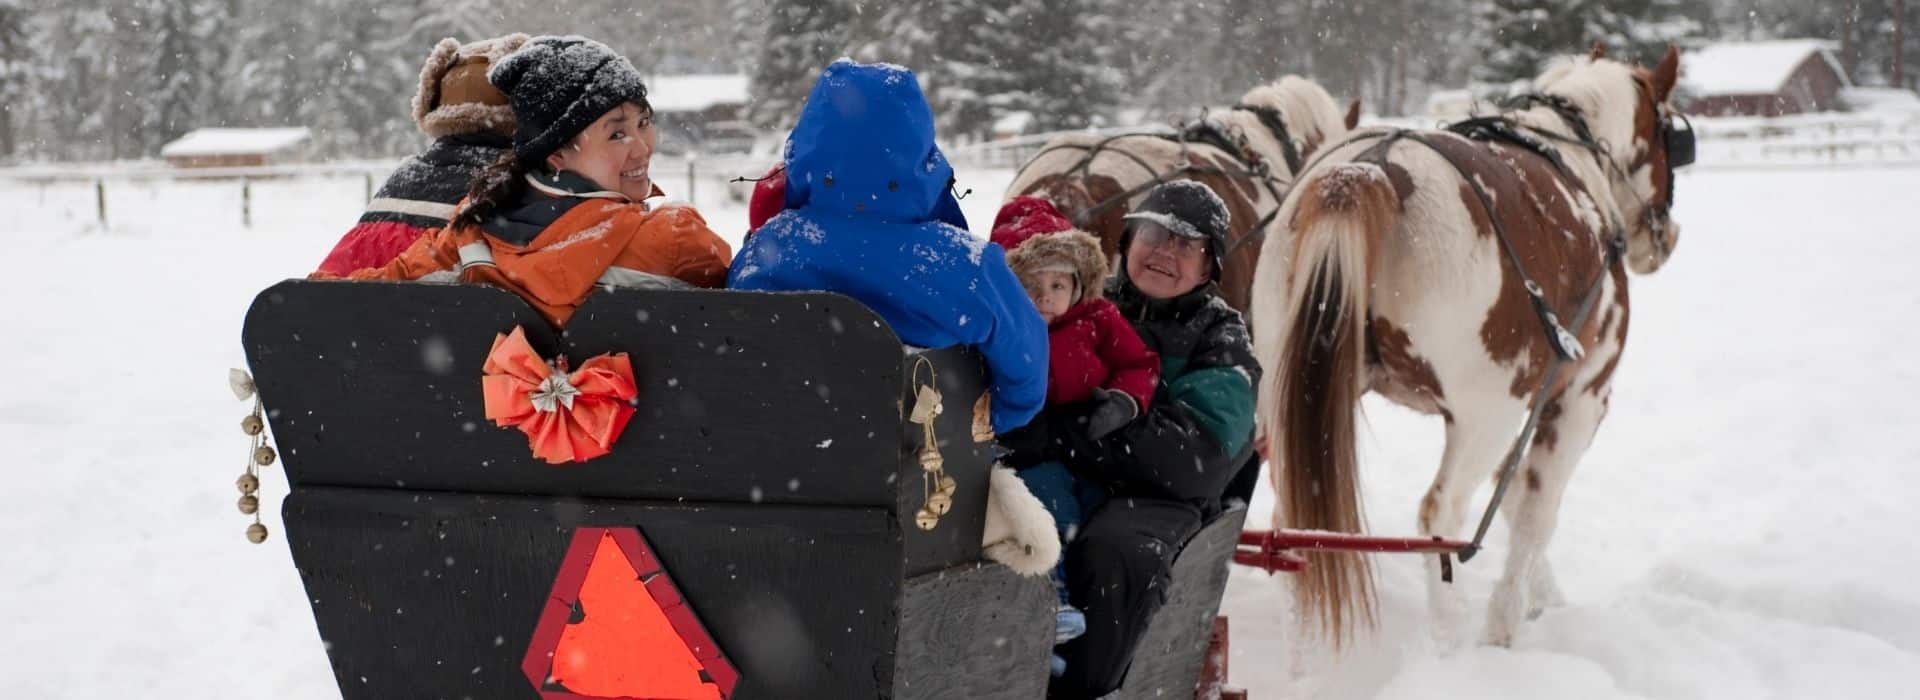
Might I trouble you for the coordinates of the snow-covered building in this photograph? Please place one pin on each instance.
(1762, 78)
(1012, 124)
(706, 113)
(231, 147)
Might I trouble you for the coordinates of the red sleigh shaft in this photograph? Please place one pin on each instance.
(1274, 550)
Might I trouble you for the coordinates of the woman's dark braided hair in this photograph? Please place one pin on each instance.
(498, 185)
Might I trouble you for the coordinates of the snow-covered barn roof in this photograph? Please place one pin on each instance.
(228, 141)
(695, 93)
(1750, 68)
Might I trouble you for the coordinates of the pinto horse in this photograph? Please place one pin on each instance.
(1477, 274)
(1248, 154)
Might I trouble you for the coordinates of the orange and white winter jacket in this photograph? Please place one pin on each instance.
(553, 250)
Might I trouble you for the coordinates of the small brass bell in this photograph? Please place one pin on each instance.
(263, 455)
(256, 533)
(930, 460)
(926, 519)
(248, 483)
(249, 504)
(939, 503)
(252, 425)
(947, 485)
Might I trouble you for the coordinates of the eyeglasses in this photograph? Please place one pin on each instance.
(1154, 236)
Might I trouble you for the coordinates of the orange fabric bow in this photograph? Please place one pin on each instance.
(567, 417)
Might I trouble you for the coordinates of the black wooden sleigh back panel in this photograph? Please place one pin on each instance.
(769, 472)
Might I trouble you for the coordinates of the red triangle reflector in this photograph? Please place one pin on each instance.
(615, 626)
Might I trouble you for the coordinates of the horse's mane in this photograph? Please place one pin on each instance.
(1301, 100)
(1604, 90)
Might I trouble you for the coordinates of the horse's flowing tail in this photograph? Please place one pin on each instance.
(1342, 214)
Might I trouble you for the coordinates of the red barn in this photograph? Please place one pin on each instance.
(1762, 78)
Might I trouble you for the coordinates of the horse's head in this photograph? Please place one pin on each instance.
(1311, 115)
(1628, 111)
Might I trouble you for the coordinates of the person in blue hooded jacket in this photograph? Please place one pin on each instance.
(870, 213)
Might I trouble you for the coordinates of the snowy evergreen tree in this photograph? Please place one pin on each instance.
(802, 37)
(1053, 70)
(16, 69)
(1526, 33)
(185, 35)
(1523, 34)
(968, 39)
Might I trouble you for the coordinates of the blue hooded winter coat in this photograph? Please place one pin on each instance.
(871, 214)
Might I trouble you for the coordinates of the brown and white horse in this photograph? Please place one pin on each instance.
(1095, 179)
(1397, 279)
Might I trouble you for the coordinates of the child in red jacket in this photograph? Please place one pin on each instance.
(1093, 355)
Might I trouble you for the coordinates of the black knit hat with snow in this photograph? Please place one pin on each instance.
(558, 86)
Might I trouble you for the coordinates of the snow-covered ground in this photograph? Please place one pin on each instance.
(1740, 529)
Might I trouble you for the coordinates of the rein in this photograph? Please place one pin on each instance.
(1252, 166)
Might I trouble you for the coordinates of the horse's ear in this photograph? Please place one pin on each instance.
(1353, 114)
(1599, 51)
(1666, 74)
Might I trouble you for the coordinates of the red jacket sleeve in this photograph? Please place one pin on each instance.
(1132, 369)
(436, 251)
(370, 244)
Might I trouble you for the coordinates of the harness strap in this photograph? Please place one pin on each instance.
(1251, 168)
(1565, 345)
(1616, 251)
(1270, 117)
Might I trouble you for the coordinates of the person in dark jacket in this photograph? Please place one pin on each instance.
(869, 212)
(471, 125)
(1168, 471)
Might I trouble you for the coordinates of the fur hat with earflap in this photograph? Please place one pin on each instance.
(454, 96)
(1039, 239)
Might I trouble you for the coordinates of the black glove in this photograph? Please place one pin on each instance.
(1024, 446)
(1112, 410)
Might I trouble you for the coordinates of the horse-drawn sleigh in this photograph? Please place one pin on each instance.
(797, 507)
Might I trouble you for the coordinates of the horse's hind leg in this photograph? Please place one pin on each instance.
(1532, 509)
(1475, 444)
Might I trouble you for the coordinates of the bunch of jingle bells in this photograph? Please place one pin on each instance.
(260, 455)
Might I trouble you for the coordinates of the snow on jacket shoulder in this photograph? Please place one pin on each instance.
(581, 243)
(870, 214)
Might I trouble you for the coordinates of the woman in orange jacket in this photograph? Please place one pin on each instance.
(565, 211)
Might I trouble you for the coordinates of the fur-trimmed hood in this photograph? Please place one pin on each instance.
(1037, 236)
(1071, 248)
(472, 105)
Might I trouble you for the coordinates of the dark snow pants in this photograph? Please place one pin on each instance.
(1117, 573)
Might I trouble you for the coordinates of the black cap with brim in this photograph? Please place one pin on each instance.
(1190, 210)
(1168, 222)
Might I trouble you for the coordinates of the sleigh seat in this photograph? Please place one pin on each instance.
(752, 533)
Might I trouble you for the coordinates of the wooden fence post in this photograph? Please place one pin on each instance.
(246, 202)
(690, 174)
(100, 201)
